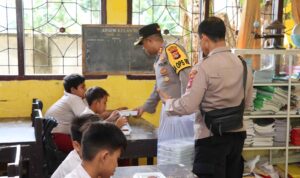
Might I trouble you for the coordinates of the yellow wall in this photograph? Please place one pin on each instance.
(116, 11)
(16, 96)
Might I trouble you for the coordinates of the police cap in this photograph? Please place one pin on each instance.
(146, 31)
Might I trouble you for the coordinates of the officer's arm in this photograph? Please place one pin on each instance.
(184, 78)
(190, 101)
(151, 103)
(180, 64)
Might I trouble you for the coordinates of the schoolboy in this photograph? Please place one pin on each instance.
(96, 98)
(70, 105)
(102, 144)
(78, 125)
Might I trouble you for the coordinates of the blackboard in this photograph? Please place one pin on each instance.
(109, 49)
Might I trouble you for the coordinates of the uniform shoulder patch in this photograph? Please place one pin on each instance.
(177, 57)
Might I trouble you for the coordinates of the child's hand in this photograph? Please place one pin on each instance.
(121, 121)
(113, 116)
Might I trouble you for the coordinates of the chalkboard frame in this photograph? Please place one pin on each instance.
(85, 69)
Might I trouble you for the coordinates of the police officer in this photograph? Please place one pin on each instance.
(172, 68)
(215, 83)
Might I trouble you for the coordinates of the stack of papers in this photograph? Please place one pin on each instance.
(250, 132)
(270, 98)
(296, 97)
(280, 131)
(264, 132)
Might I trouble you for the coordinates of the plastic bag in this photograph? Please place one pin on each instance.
(177, 129)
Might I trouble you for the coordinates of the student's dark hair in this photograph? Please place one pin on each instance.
(213, 27)
(100, 136)
(95, 93)
(72, 80)
(80, 124)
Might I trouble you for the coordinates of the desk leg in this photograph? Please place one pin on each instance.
(149, 160)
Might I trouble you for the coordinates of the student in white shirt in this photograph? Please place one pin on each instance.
(101, 146)
(96, 98)
(74, 159)
(70, 105)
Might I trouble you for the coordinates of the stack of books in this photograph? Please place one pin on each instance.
(250, 132)
(280, 132)
(270, 99)
(264, 132)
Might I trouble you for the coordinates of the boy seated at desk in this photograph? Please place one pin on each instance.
(97, 98)
(101, 146)
(78, 125)
(70, 105)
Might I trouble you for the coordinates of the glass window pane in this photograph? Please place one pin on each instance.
(53, 34)
(8, 38)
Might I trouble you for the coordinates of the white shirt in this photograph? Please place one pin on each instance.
(68, 165)
(78, 172)
(65, 110)
(87, 110)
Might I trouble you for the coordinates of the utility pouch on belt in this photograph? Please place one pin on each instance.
(226, 119)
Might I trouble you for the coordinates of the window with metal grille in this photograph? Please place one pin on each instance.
(51, 34)
(179, 19)
(8, 38)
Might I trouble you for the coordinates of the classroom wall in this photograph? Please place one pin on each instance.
(116, 11)
(16, 96)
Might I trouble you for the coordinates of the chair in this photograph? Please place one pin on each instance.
(37, 102)
(53, 156)
(36, 105)
(12, 155)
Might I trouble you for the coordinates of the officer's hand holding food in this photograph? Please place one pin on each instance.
(140, 111)
(121, 121)
(163, 96)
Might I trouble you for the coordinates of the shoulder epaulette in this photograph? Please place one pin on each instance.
(177, 57)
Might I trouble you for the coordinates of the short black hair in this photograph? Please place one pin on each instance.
(213, 27)
(95, 93)
(99, 136)
(72, 80)
(80, 124)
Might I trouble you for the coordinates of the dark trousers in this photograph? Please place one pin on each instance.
(220, 156)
